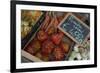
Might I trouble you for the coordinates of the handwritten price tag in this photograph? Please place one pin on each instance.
(74, 28)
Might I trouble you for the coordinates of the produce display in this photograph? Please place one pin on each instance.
(28, 20)
(49, 43)
(81, 52)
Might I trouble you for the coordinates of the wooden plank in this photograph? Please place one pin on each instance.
(30, 57)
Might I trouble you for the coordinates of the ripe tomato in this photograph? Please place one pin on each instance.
(56, 38)
(42, 35)
(34, 46)
(29, 50)
(58, 54)
(65, 47)
(47, 47)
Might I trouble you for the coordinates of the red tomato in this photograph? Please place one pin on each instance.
(56, 38)
(47, 47)
(58, 54)
(34, 46)
(42, 35)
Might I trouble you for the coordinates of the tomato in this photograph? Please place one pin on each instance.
(56, 38)
(42, 35)
(33, 47)
(39, 55)
(36, 45)
(29, 50)
(51, 30)
(58, 54)
(47, 47)
(45, 57)
(65, 47)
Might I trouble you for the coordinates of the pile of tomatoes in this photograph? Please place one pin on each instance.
(48, 44)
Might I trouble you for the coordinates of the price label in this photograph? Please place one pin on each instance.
(74, 28)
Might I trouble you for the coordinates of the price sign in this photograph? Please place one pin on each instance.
(74, 28)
